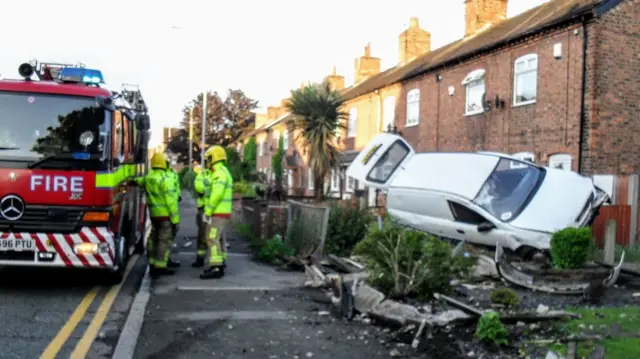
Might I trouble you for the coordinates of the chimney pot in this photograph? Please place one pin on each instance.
(367, 50)
(415, 23)
(413, 42)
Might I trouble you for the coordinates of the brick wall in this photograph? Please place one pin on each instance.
(612, 144)
(549, 126)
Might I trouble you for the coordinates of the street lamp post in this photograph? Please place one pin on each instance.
(204, 126)
(191, 138)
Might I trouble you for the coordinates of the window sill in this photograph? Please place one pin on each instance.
(468, 114)
(411, 125)
(525, 103)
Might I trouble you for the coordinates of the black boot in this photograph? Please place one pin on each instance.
(165, 271)
(153, 272)
(212, 273)
(199, 262)
(173, 264)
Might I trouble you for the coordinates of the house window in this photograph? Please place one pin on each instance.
(285, 140)
(290, 178)
(350, 184)
(276, 138)
(522, 156)
(261, 148)
(561, 161)
(310, 178)
(353, 122)
(389, 112)
(474, 83)
(525, 80)
(413, 107)
(335, 181)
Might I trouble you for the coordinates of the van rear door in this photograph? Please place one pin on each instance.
(380, 160)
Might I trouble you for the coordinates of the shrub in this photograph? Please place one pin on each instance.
(347, 226)
(505, 296)
(273, 250)
(240, 187)
(405, 262)
(570, 247)
(490, 329)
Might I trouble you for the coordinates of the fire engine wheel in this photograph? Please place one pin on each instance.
(121, 258)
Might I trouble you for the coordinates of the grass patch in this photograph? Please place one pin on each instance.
(625, 344)
(631, 255)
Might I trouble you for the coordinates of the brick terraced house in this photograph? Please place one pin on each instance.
(557, 84)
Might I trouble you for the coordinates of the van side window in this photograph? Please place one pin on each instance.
(388, 162)
(118, 135)
(465, 215)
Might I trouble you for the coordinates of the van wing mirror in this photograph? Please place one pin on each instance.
(486, 227)
(106, 103)
(142, 122)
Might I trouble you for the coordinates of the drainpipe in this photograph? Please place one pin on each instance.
(583, 116)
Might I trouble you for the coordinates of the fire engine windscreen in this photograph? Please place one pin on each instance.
(36, 125)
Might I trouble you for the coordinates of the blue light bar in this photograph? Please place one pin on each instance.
(81, 156)
(81, 75)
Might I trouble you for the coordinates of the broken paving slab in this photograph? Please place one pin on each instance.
(366, 298)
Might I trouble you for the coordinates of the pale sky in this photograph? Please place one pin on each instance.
(176, 49)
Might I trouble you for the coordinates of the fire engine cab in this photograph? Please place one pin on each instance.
(67, 148)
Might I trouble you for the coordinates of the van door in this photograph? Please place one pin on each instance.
(380, 160)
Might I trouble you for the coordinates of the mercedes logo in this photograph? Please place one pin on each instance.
(11, 207)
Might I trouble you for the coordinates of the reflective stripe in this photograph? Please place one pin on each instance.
(108, 180)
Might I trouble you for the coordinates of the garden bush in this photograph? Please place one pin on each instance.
(491, 330)
(570, 247)
(505, 296)
(347, 226)
(403, 262)
(273, 250)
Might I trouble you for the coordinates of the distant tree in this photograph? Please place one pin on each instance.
(318, 113)
(276, 162)
(226, 121)
(250, 154)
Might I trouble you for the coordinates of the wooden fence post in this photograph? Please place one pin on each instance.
(610, 242)
(633, 201)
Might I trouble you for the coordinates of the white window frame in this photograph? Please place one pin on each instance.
(351, 184)
(285, 141)
(389, 112)
(516, 75)
(310, 178)
(522, 156)
(413, 102)
(290, 178)
(261, 148)
(276, 137)
(335, 181)
(561, 158)
(473, 80)
(352, 124)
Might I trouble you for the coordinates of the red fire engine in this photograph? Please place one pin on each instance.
(67, 147)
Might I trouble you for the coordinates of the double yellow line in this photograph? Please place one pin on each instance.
(82, 348)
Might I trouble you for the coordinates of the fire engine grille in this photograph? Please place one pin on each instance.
(44, 219)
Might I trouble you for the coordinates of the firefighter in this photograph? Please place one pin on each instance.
(217, 211)
(165, 217)
(171, 173)
(202, 186)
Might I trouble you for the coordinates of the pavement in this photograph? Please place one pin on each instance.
(255, 311)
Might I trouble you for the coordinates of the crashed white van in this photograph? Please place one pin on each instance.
(483, 198)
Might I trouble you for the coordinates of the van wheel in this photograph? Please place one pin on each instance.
(121, 258)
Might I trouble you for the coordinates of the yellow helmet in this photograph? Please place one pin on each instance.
(215, 154)
(159, 160)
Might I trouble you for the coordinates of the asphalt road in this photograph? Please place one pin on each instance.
(37, 312)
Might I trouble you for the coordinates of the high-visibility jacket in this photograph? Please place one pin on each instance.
(176, 181)
(162, 198)
(219, 203)
(202, 185)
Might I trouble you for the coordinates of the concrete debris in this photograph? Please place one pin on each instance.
(315, 277)
(542, 309)
(366, 298)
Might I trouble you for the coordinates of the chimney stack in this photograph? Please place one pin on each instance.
(336, 81)
(366, 66)
(414, 42)
(482, 14)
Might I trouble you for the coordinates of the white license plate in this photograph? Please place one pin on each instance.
(16, 245)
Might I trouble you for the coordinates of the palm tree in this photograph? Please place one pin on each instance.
(317, 111)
